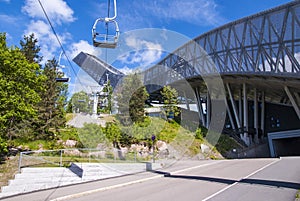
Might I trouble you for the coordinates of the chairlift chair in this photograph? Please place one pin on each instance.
(61, 79)
(105, 39)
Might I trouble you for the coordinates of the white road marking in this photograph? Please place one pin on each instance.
(85, 193)
(231, 185)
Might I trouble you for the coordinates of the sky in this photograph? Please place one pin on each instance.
(73, 20)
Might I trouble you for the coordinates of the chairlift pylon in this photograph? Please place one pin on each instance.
(106, 38)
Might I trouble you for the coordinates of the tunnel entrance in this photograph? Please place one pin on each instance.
(287, 146)
(284, 143)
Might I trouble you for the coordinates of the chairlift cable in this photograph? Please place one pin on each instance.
(58, 40)
(108, 12)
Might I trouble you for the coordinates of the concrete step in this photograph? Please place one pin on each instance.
(34, 187)
(33, 179)
(42, 180)
(44, 175)
(44, 169)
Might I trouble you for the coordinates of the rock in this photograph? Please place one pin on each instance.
(204, 148)
(73, 152)
(161, 145)
(70, 143)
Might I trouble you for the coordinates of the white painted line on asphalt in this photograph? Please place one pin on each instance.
(260, 169)
(77, 195)
(195, 167)
(231, 185)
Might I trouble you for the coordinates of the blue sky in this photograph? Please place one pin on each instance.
(73, 21)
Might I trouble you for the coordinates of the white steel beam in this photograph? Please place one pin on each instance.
(293, 101)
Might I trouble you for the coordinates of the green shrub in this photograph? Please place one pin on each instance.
(3, 147)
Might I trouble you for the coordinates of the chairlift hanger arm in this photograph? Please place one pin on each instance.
(108, 19)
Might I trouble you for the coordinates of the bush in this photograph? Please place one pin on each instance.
(200, 133)
(3, 147)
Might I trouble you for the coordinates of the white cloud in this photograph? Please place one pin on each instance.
(57, 10)
(126, 70)
(46, 39)
(7, 19)
(83, 46)
(144, 53)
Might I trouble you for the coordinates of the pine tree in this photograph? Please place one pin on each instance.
(131, 99)
(30, 49)
(51, 107)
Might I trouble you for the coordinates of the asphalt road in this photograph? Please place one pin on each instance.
(247, 179)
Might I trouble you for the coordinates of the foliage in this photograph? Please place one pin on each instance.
(169, 96)
(225, 144)
(79, 102)
(109, 90)
(68, 134)
(30, 49)
(20, 83)
(51, 107)
(131, 100)
(3, 146)
(169, 131)
(113, 133)
(200, 133)
(298, 195)
(91, 135)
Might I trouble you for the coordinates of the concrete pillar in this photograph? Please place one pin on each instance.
(208, 109)
(95, 104)
(186, 102)
(255, 116)
(229, 115)
(199, 105)
(262, 118)
(241, 107)
(233, 106)
(245, 104)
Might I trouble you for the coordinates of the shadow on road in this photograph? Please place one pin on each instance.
(273, 183)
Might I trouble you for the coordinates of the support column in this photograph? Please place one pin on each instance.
(262, 118)
(289, 94)
(240, 107)
(186, 102)
(208, 110)
(199, 105)
(229, 115)
(297, 98)
(95, 104)
(233, 106)
(255, 116)
(245, 103)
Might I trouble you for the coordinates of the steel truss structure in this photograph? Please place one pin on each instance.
(257, 58)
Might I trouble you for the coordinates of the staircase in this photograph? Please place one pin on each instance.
(34, 179)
